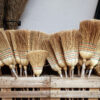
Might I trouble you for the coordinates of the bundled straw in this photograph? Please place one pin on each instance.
(89, 30)
(51, 58)
(21, 47)
(95, 59)
(69, 41)
(6, 52)
(37, 59)
(35, 43)
(8, 35)
(58, 51)
(15, 45)
(14, 9)
(35, 40)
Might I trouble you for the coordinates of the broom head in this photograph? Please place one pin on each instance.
(37, 59)
(57, 48)
(90, 32)
(5, 49)
(70, 41)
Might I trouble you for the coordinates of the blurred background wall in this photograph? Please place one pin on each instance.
(56, 15)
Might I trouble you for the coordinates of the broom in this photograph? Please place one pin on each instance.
(10, 42)
(37, 59)
(21, 38)
(69, 41)
(51, 58)
(35, 41)
(6, 56)
(13, 11)
(90, 35)
(24, 36)
(15, 45)
(58, 51)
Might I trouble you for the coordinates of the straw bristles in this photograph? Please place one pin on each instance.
(94, 59)
(22, 38)
(14, 43)
(96, 55)
(35, 40)
(8, 35)
(14, 9)
(69, 41)
(20, 42)
(6, 52)
(43, 35)
(37, 59)
(5, 49)
(51, 58)
(89, 30)
(57, 48)
(3, 41)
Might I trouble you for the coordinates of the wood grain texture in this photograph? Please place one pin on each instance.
(76, 82)
(93, 90)
(45, 89)
(47, 94)
(75, 94)
(24, 82)
(6, 90)
(49, 82)
(50, 87)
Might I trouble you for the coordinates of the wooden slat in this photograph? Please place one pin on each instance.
(51, 94)
(92, 82)
(24, 82)
(54, 98)
(49, 82)
(75, 94)
(47, 89)
(25, 94)
(93, 90)
(6, 90)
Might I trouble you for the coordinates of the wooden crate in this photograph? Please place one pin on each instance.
(50, 88)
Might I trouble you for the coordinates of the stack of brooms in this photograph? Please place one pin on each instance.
(65, 50)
